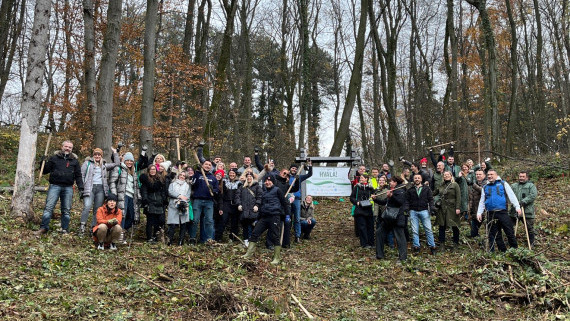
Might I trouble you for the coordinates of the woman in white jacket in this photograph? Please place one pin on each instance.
(179, 201)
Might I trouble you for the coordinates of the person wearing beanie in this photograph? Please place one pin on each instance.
(297, 181)
(108, 228)
(221, 173)
(273, 207)
(124, 182)
(95, 182)
(248, 197)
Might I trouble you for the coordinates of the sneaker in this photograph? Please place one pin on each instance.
(81, 230)
(64, 232)
(112, 247)
(101, 246)
(246, 243)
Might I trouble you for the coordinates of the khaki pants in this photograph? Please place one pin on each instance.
(108, 235)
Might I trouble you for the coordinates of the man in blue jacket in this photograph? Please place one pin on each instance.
(296, 205)
(64, 170)
(494, 200)
(203, 202)
(274, 206)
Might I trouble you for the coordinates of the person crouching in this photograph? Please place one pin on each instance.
(108, 228)
(273, 207)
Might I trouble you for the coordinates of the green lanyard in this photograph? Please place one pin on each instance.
(419, 190)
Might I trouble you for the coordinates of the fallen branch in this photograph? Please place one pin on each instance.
(237, 237)
(309, 315)
(177, 292)
(513, 295)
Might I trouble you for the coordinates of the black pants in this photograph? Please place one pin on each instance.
(500, 221)
(529, 226)
(365, 226)
(475, 226)
(230, 215)
(382, 231)
(181, 234)
(454, 230)
(247, 225)
(286, 236)
(270, 223)
(154, 223)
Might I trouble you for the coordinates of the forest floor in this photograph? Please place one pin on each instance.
(65, 277)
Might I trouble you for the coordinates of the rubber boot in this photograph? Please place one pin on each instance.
(250, 250)
(276, 255)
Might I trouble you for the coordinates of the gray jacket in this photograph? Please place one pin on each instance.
(176, 188)
(87, 171)
(118, 186)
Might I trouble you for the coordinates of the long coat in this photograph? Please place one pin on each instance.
(153, 195)
(462, 182)
(360, 193)
(176, 188)
(450, 201)
(118, 186)
(248, 197)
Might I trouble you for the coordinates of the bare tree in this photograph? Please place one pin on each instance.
(11, 22)
(30, 111)
(147, 116)
(90, 81)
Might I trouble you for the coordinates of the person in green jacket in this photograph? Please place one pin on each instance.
(526, 193)
(463, 181)
(448, 214)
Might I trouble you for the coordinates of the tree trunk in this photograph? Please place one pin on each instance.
(189, 30)
(147, 111)
(89, 63)
(30, 111)
(305, 103)
(511, 120)
(377, 108)
(354, 85)
(11, 24)
(540, 95)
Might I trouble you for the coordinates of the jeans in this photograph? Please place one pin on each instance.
(423, 216)
(207, 207)
(55, 192)
(128, 213)
(296, 212)
(306, 228)
(95, 200)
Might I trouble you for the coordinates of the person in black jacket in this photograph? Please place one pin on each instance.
(227, 207)
(420, 202)
(273, 207)
(153, 198)
(395, 200)
(363, 214)
(64, 170)
(248, 201)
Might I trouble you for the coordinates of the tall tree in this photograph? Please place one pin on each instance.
(355, 82)
(11, 23)
(90, 81)
(511, 120)
(147, 111)
(30, 111)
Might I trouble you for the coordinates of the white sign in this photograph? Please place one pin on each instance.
(328, 181)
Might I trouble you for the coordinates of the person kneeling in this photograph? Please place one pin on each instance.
(308, 221)
(108, 228)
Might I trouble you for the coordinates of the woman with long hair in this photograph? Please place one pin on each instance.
(153, 197)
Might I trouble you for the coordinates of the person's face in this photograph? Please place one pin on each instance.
(217, 160)
(406, 171)
(232, 175)
(523, 178)
(423, 164)
(293, 170)
(220, 165)
(491, 176)
(207, 166)
(159, 159)
(111, 204)
(451, 160)
(480, 175)
(447, 176)
(66, 148)
(190, 171)
(308, 199)
(161, 169)
(247, 161)
(219, 176)
(249, 178)
(182, 176)
(483, 166)
(361, 169)
(418, 179)
(382, 181)
(97, 157)
(440, 167)
(268, 183)
(385, 167)
(129, 163)
(465, 168)
(363, 180)
(393, 184)
(152, 171)
(470, 163)
(414, 168)
(375, 172)
(284, 173)
(233, 165)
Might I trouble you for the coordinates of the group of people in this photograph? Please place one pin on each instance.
(383, 203)
(200, 202)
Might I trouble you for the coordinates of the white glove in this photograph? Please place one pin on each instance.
(240, 208)
(487, 159)
(255, 209)
(441, 152)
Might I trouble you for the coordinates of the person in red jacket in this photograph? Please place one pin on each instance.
(108, 228)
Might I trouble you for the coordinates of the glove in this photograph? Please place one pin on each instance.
(441, 152)
(240, 208)
(255, 209)
(112, 221)
(254, 222)
(523, 204)
(256, 150)
(201, 144)
(288, 218)
(81, 196)
(43, 158)
(487, 159)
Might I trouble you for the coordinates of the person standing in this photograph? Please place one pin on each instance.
(361, 196)
(64, 170)
(296, 190)
(248, 201)
(475, 196)
(153, 196)
(526, 193)
(228, 209)
(179, 197)
(273, 207)
(205, 190)
(448, 214)
(395, 201)
(420, 201)
(494, 200)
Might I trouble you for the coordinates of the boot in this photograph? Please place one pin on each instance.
(433, 250)
(82, 229)
(250, 250)
(40, 232)
(276, 255)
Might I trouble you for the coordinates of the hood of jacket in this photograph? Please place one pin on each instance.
(60, 154)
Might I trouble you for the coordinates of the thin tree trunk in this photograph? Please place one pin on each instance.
(514, 68)
(540, 95)
(31, 103)
(11, 25)
(147, 111)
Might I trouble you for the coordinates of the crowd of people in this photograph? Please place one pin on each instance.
(385, 205)
(202, 203)
(208, 202)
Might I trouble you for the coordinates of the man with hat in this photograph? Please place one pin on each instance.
(274, 206)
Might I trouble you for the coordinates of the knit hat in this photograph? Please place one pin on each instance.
(166, 165)
(270, 178)
(221, 172)
(423, 160)
(98, 151)
(112, 197)
(128, 156)
(293, 165)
